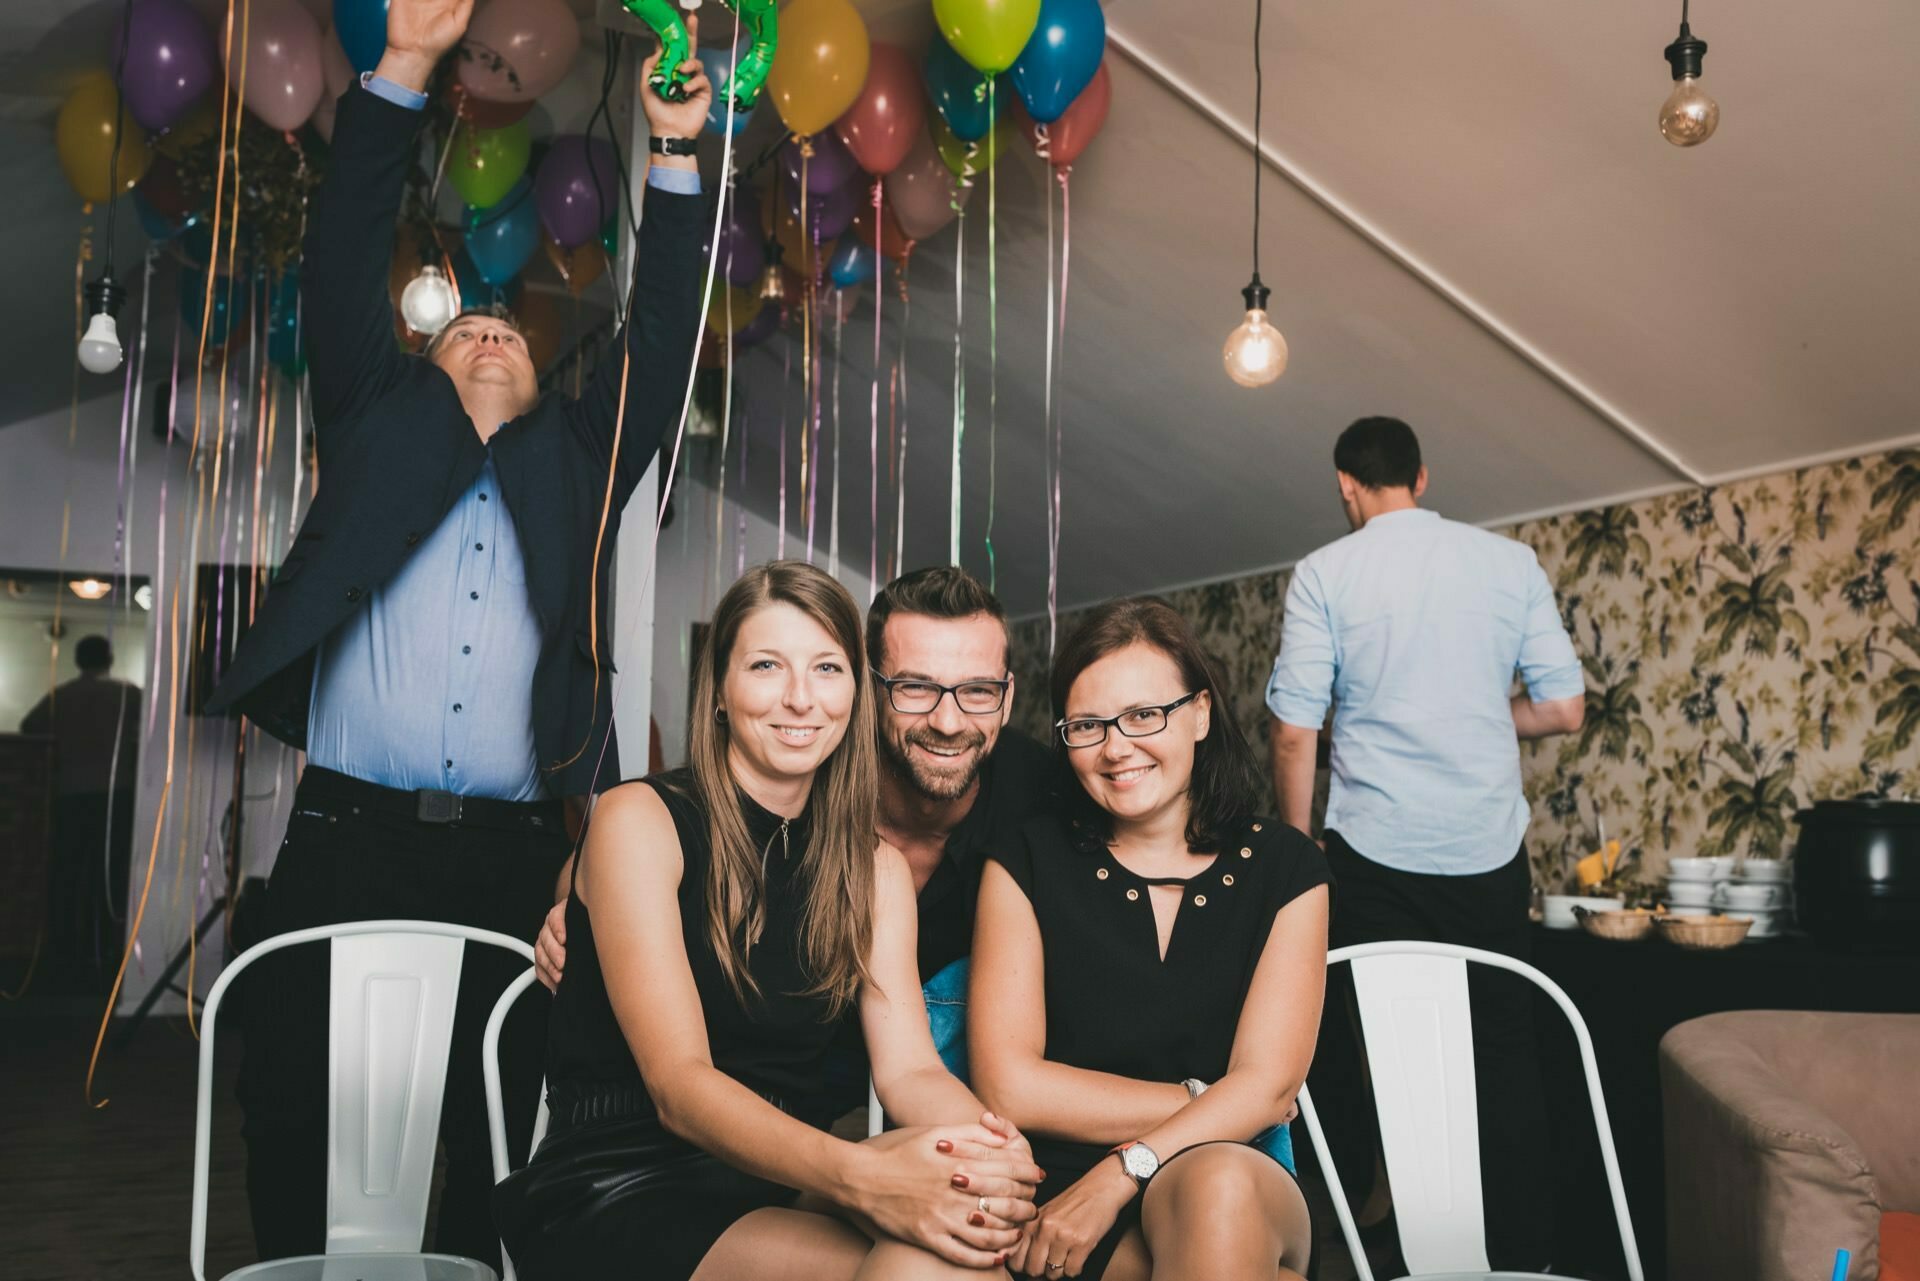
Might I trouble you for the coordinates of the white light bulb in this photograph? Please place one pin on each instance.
(100, 349)
(1255, 353)
(428, 304)
(1688, 117)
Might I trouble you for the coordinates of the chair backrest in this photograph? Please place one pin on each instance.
(496, 1109)
(390, 1013)
(1418, 1026)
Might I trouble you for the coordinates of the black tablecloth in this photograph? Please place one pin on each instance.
(1630, 994)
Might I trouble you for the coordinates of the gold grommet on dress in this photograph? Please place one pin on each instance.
(1132, 895)
(1227, 879)
(1256, 827)
(1199, 900)
(1102, 873)
(1246, 851)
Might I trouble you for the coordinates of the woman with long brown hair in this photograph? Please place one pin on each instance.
(721, 919)
(1148, 963)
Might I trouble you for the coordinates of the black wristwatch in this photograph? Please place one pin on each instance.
(673, 146)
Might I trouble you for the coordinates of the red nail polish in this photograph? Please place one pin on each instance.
(944, 1145)
(959, 1180)
(977, 1219)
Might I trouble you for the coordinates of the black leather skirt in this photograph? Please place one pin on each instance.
(611, 1195)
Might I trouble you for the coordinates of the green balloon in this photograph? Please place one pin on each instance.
(989, 34)
(968, 159)
(485, 163)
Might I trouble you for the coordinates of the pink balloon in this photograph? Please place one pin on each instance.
(516, 50)
(337, 75)
(284, 74)
(1068, 136)
(922, 191)
(880, 126)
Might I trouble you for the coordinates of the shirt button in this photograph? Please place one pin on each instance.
(456, 707)
(413, 539)
(1132, 895)
(479, 547)
(473, 595)
(1199, 900)
(466, 649)
(1102, 873)
(353, 594)
(449, 764)
(483, 498)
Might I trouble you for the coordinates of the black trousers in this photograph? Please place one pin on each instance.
(1372, 904)
(87, 881)
(345, 858)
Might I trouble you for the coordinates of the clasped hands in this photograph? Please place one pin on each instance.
(961, 1191)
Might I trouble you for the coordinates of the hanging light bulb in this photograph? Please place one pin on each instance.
(773, 281)
(88, 588)
(1256, 353)
(428, 304)
(1688, 117)
(100, 345)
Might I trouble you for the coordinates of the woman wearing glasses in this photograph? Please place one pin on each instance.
(1147, 973)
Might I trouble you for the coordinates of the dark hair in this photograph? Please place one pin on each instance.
(940, 591)
(1226, 787)
(93, 654)
(491, 311)
(1379, 453)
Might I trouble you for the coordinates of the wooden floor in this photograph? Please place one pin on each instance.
(104, 1194)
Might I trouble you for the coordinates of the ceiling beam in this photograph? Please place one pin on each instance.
(1135, 52)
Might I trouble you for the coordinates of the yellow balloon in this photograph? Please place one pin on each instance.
(821, 65)
(200, 124)
(746, 305)
(84, 137)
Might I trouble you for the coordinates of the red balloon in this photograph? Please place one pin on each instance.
(482, 114)
(1068, 136)
(894, 244)
(880, 126)
(161, 187)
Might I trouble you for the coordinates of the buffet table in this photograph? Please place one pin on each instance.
(1630, 995)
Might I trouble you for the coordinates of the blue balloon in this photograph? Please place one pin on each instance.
(229, 304)
(502, 238)
(362, 28)
(959, 92)
(1060, 58)
(719, 64)
(853, 262)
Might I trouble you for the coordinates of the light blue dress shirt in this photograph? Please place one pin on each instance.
(1412, 627)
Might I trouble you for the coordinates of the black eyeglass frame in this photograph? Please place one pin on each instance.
(1111, 723)
(889, 682)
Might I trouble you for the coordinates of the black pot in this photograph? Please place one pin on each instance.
(1856, 873)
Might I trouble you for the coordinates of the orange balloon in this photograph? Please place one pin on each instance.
(821, 64)
(542, 325)
(84, 136)
(579, 266)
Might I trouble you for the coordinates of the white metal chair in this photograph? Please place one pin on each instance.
(1418, 1027)
(496, 1110)
(390, 1020)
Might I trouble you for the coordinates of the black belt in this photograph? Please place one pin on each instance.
(430, 805)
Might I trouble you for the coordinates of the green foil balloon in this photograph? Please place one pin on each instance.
(759, 17)
(487, 162)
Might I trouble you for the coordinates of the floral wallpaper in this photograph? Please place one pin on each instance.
(1749, 649)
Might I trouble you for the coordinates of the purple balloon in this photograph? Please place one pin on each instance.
(578, 188)
(832, 212)
(743, 250)
(827, 169)
(171, 60)
(759, 329)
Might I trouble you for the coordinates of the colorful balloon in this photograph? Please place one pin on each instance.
(482, 114)
(578, 188)
(198, 125)
(1061, 58)
(336, 75)
(542, 327)
(852, 264)
(284, 78)
(745, 307)
(988, 33)
(579, 267)
(960, 93)
(923, 193)
(474, 292)
(170, 60)
(516, 50)
(893, 243)
(1068, 136)
(83, 136)
(361, 26)
(286, 344)
(229, 305)
(763, 327)
(829, 167)
(502, 238)
(829, 213)
(821, 65)
(719, 65)
(485, 163)
(743, 252)
(880, 126)
(967, 159)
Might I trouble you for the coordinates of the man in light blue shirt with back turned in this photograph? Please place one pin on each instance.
(1413, 629)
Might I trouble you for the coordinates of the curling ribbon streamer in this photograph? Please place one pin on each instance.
(993, 341)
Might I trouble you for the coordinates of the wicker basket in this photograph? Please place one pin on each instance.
(1704, 933)
(1628, 926)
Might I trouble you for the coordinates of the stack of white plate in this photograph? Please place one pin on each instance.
(1693, 884)
(1760, 891)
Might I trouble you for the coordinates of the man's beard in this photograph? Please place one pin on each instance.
(938, 785)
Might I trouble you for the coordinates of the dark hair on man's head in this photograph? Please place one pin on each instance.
(491, 311)
(939, 591)
(1379, 453)
(1226, 788)
(93, 654)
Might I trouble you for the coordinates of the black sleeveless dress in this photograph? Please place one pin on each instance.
(611, 1193)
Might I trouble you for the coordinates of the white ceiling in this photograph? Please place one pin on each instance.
(1470, 221)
